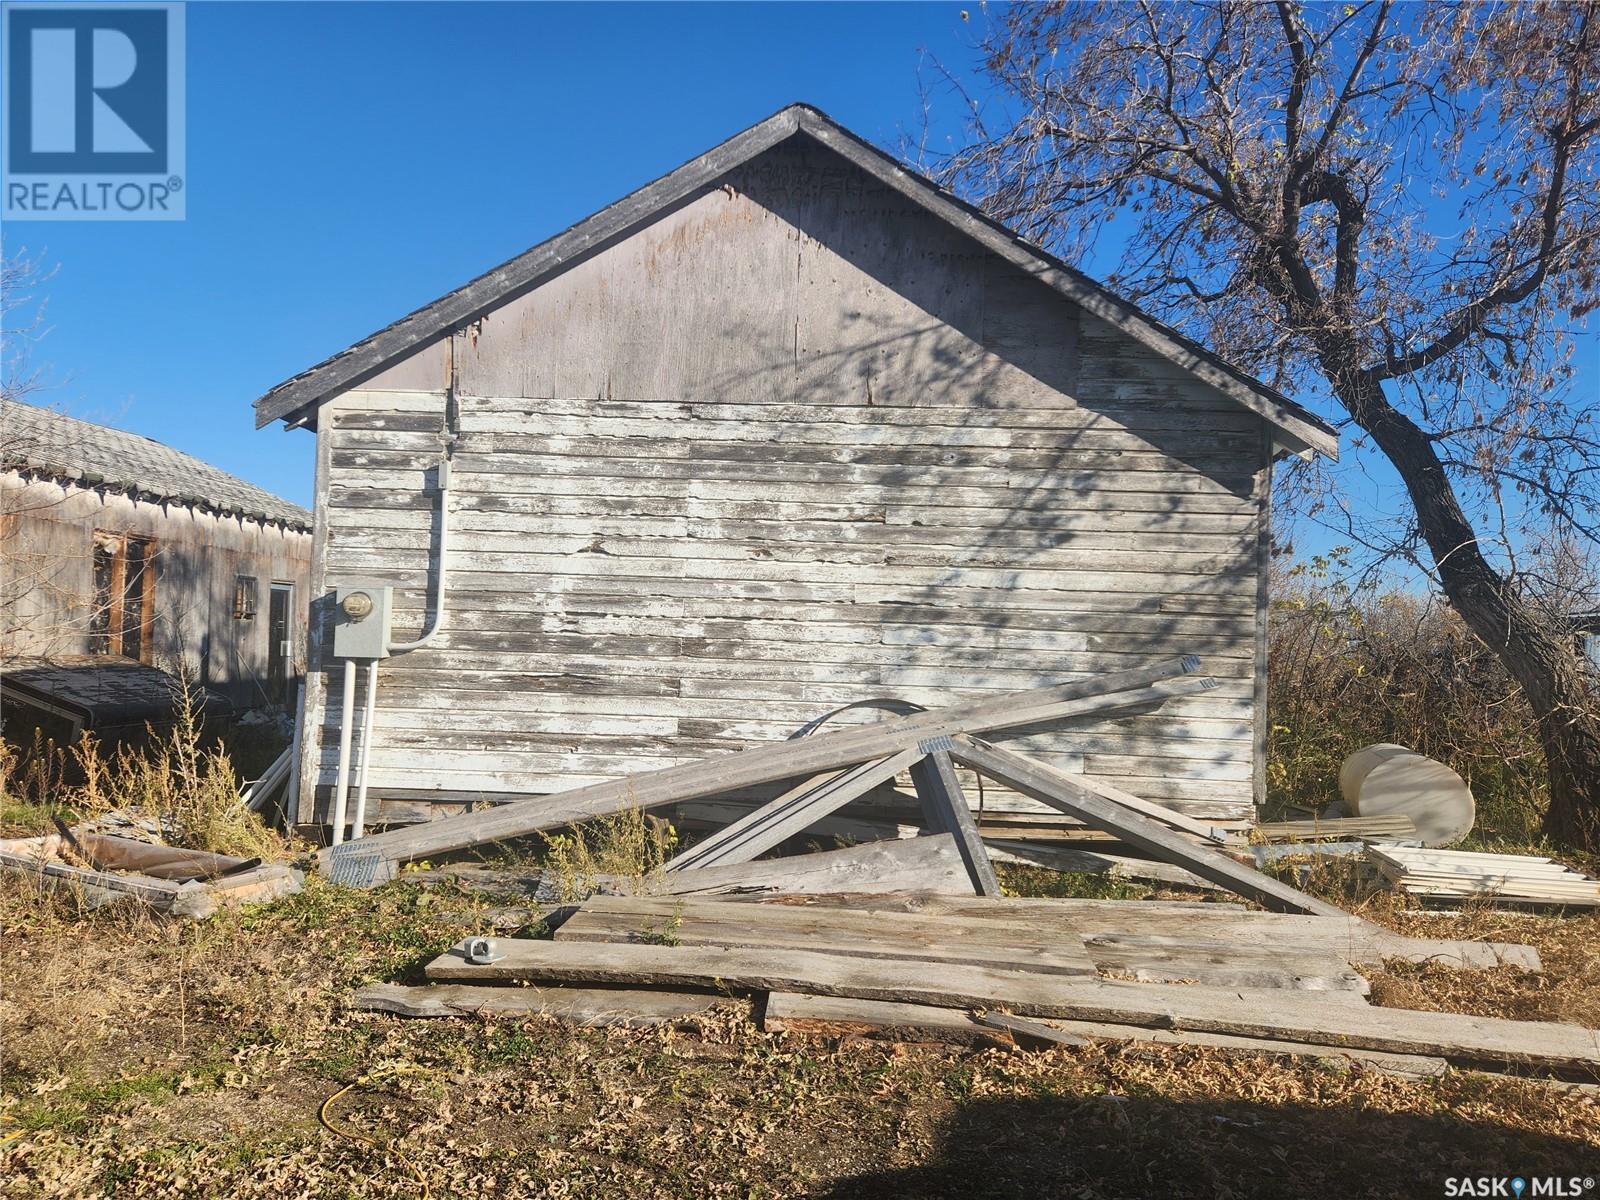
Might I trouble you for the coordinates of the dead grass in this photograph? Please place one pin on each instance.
(145, 1057)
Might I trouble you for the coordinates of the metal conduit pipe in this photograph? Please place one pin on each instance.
(437, 621)
(435, 624)
(359, 821)
(341, 789)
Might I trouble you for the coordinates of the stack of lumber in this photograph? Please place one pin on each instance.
(976, 969)
(1337, 829)
(912, 935)
(1456, 875)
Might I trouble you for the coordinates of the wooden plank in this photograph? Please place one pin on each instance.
(1013, 944)
(946, 811)
(1224, 963)
(1509, 879)
(1337, 828)
(1157, 812)
(1055, 789)
(632, 1008)
(1296, 1016)
(765, 764)
(1354, 940)
(1024, 1029)
(791, 813)
(929, 865)
(842, 1017)
(834, 1016)
(892, 936)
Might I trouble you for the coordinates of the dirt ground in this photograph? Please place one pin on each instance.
(150, 1058)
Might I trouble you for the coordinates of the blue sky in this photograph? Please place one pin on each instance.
(348, 162)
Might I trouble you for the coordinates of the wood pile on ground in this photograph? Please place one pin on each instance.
(1458, 875)
(1032, 971)
(1388, 827)
(912, 936)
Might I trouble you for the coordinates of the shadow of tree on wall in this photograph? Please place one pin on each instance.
(1106, 1146)
(1007, 516)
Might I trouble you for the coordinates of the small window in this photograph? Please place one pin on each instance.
(244, 598)
(124, 595)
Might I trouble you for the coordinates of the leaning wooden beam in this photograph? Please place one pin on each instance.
(947, 811)
(374, 859)
(1291, 1016)
(1059, 791)
(791, 813)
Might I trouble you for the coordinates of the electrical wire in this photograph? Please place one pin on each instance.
(355, 1135)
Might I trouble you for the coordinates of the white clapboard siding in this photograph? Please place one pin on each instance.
(794, 444)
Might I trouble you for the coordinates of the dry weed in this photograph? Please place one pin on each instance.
(629, 845)
(176, 780)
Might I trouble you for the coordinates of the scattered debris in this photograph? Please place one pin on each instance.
(911, 933)
(105, 868)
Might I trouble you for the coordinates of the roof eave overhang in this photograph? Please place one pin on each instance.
(295, 400)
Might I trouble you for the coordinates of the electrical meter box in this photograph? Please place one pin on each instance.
(361, 620)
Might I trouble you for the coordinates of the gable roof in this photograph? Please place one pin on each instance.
(53, 444)
(1298, 427)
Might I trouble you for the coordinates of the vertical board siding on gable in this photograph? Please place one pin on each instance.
(795, 444)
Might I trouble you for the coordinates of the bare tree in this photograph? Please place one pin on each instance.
(1392, 207)
(21, 322)
(38, 578)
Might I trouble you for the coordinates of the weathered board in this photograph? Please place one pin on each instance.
(793, 1012)
(1312, 1018)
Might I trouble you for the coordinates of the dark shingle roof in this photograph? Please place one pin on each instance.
(50, 443)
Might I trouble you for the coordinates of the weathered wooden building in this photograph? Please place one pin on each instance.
(117, 546)
(787, 428)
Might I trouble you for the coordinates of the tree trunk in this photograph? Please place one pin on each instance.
(1540, 654)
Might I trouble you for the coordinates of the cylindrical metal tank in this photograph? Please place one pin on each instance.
(1385, 779)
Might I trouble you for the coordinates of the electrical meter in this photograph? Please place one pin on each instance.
(361, 620)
